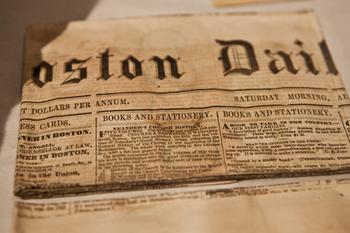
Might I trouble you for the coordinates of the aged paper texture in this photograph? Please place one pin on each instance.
(139, 123)
(169, 101)
(322, 206)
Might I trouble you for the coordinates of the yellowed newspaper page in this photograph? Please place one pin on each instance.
(171, 101)
(163, 124)
(319, 206)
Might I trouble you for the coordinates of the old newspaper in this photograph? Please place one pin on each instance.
(145, 105)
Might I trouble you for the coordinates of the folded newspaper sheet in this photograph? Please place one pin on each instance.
(173, 101)
(308, 207)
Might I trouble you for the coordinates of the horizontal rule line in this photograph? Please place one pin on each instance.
(214, 106)
(58, 98)
(67, 115)
(316, 105)
(338, 89)
(207, 89)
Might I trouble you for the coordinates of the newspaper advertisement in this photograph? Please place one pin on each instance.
(153, 103)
